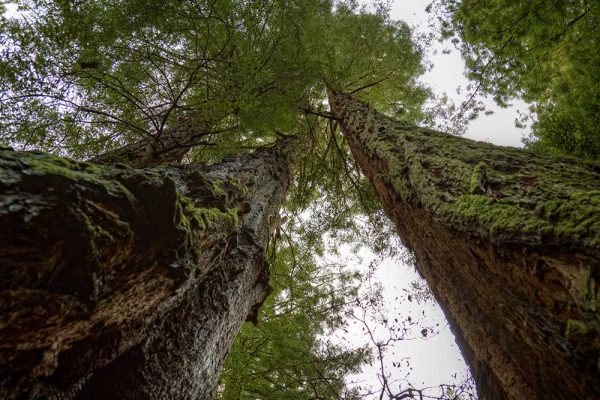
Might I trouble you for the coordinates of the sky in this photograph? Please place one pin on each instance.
(447, 75)
(433, 360)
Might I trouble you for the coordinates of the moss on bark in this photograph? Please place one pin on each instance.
(509, 242)
(109, 267)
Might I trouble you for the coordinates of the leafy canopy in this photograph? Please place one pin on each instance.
(85, 77)
(547, 52)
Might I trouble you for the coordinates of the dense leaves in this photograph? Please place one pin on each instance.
(286, 355)
(84, 77)
(89, 76)
(547, 52)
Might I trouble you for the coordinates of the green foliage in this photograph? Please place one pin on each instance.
(286, 355)
(94, 75)
(387, 77)
(82, 78)
(547, 52)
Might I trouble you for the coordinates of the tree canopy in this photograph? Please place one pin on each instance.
(91, 76)
(545, 52)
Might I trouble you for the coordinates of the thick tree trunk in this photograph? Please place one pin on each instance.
(123, 283)
(509, 242)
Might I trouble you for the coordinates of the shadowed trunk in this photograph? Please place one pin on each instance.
(509, 242)
(121, 283)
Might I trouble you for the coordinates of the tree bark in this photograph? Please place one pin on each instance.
(509, 242)
(120, 283)
(169, 145)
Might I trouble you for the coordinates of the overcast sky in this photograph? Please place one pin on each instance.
(448, 74)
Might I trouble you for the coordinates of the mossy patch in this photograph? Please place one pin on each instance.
(53, 167)
(498, 192)
(478, 181)
(495, 215)
(576, 328)
(192, 216)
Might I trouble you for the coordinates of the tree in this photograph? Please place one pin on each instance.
(286, 356)
(131, 283)
(95, 76)
(545, 52)
(508, 241)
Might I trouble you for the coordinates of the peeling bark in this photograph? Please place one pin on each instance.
(125, 283)
(509, 242)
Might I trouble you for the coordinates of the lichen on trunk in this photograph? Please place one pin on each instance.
(130, 283)
(508, 241)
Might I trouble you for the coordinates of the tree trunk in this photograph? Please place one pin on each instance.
(509, 242)
(121, 283)
(169, 145)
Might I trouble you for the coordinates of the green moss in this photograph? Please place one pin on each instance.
(15, 165)
(577, 215)
(50, 165)
(476, 186)
(478, 180)
(213, 218)
(583, 290)
(215, 191)
(181, 219)
(8, 177)
(576, 328)
(499, 218)
(239, 188)
(191, 216)
(96, 231)
(91, 168)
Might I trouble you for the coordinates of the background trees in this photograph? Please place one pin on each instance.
(545, 52)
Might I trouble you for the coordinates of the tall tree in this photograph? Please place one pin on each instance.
(131, 283)
(507, 239)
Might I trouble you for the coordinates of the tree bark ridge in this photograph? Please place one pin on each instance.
(168, 146)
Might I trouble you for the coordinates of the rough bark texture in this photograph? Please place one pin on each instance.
(120, 283)
(167, 146)
(509, 242)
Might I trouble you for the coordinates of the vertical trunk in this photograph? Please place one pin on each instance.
(119, 283)
(507, 239)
